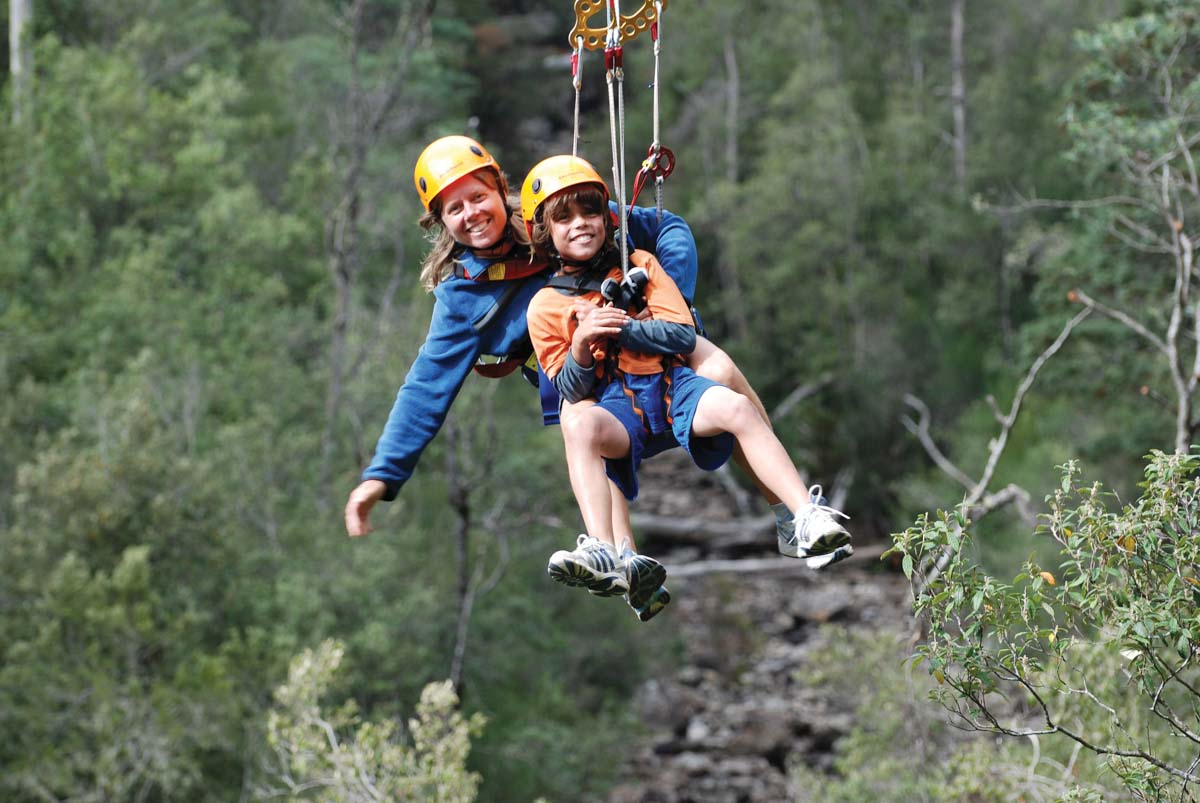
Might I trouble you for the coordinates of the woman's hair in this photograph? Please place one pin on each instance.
(586, 197)
(438, 264)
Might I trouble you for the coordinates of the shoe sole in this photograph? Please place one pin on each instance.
(658, 600)
(563, 568)
(819, 562)
(830, 542)
(646, 576)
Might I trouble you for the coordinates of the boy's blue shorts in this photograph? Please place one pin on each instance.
(657, 412)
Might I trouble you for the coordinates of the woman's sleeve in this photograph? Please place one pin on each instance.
(450, 350)
(671, 241)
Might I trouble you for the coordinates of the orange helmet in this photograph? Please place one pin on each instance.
(551, 175)
(446, 160)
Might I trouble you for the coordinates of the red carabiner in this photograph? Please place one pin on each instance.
(659, 162)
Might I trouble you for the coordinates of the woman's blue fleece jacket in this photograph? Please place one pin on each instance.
(452, 345)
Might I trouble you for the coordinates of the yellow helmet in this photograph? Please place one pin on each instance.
(446, 160)
(551, 175)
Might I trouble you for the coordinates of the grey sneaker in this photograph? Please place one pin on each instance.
(814, 531)
(593, 565)
(658, 600)
(646, 576)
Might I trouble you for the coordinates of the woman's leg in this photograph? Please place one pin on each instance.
(711, 362)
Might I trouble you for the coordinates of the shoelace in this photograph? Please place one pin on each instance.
(819, 502)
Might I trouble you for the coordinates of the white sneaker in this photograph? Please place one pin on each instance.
(814, 532)
(593, 564)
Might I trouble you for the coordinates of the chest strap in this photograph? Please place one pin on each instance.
(522, 355)
(502, 271)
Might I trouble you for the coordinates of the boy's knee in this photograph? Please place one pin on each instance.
(739, 413)
(581, 429)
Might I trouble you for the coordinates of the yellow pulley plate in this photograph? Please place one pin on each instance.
(631, 24)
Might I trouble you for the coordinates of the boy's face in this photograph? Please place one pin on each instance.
(577, 234)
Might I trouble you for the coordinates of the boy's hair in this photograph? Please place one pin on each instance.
(586, 197)
(438, 263)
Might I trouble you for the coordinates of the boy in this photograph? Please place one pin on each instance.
(646, 400)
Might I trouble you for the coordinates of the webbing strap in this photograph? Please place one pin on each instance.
(577, 80)
(655, 31)
(576, 285)
(502, 271)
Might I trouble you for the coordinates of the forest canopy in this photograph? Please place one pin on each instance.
(209, 295)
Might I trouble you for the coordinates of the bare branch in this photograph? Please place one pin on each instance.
(764, 565)
(699, 530)
(920, 428)
(1121, 317)
(1011, 494)
(1150, 243)
(799, 394)
(1025, 205)
(997, 447)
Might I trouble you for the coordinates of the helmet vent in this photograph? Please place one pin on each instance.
(537, 185)
(424, 186)
(476, 150)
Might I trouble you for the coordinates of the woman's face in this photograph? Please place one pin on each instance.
(577, 233)
(473, 211)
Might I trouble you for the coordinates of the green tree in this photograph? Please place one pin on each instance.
(1058, 650)
(331, 754)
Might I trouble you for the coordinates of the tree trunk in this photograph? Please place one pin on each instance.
(958, 92)
(460, 501)
(367, 118)
(735, 307)
(20, 55)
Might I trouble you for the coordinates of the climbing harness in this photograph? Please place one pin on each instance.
(628, 294)
(522, 356)
(621, 28)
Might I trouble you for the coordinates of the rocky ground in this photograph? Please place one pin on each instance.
(739, 709)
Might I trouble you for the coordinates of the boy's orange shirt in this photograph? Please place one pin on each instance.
(552, 324)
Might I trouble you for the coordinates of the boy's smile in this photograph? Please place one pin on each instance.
(578, 236)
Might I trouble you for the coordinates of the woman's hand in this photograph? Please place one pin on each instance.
(358, 506)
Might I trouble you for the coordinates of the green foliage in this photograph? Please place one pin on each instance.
(333, 755)
(901, 748)
(167, 538)
(1059, 649)
(132, 704)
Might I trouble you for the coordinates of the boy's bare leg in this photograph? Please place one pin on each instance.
(720, 410)
(711, 362)
(590, 436)
(815, 534)
(622, 527)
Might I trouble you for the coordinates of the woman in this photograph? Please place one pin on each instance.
(482, 274)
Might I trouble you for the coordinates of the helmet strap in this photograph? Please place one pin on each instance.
(600, 263)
